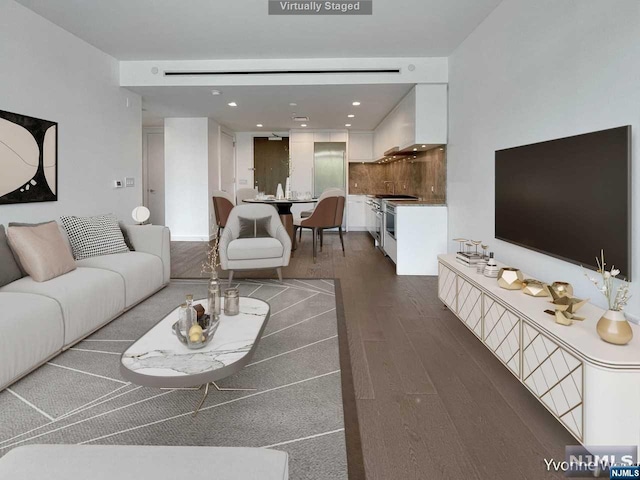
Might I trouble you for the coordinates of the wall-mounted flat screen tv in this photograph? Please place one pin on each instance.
(568, 198)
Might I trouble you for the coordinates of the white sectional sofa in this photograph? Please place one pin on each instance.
(40, 320)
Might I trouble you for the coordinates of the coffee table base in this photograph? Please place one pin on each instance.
(206, 392)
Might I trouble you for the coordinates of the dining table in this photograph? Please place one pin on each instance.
(284, 209)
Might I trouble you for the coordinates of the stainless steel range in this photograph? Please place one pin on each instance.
(376, 223)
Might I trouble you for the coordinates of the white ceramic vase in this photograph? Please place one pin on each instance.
(614, 328)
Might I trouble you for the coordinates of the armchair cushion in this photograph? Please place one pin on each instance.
(254, 227)
(254, 248)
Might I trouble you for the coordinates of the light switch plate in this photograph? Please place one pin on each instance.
(243, 181)
(117, 184)
(130, 181)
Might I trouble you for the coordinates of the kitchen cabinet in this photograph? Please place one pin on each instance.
(418, 232)
(420, 118)
(573, 373)
(361, 147)
(356, 212)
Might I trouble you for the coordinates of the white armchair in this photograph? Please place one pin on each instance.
(254, 253)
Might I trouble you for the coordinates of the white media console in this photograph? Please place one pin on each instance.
(590, 386)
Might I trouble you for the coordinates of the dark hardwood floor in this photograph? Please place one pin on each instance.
(433, 402)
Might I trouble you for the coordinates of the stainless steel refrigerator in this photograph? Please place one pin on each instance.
(329, 166)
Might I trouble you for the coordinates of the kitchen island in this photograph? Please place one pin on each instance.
(415, 232)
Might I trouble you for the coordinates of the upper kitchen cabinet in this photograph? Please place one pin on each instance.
(361, 147)
(419, 119)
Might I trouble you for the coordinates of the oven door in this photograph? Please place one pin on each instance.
(378, 232)
(390, 221)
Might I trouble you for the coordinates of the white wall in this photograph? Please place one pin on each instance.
(213, 161)
(186, 163)
(48, 73)
(534, 71)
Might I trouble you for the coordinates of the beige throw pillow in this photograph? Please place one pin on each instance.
(42, 251)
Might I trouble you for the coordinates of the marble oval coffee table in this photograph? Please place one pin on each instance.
(158, 359)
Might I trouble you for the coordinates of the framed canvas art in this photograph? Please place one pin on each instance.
(28, 159)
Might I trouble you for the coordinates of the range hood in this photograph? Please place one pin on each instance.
(396, 153)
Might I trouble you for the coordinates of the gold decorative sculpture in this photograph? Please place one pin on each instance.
(566, 307)
(535, 288)
(563, 289)
(510, 278)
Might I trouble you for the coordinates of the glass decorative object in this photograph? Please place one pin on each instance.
(189, 332)
(480, 266)
(214, 299)
(231, 301)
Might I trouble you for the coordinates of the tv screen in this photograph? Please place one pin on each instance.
(568, 198)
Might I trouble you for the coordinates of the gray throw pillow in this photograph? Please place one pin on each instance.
(9, 270)
(254, 227)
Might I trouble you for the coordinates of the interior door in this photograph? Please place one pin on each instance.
(154, 185)
(271, 163)
(227, 164)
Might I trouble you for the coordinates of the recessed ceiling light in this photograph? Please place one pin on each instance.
(303, 125)
(441, 149)
(232, 104)
(415, 149)
(259, 125)
(355, 104)
(292, 104)
(351, 115)
(347, 124)
(216, 92)
(424, 146)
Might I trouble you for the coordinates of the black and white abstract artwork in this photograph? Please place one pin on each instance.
(28, 159)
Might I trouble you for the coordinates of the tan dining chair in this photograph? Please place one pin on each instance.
(328, 213)
(222, 206)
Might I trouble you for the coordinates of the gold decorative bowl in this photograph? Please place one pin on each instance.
(510, 278)
(563, 289)
(535, 288)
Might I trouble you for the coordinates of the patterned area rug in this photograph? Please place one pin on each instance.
(79, 397)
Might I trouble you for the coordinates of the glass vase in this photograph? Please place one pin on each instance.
(214, 296)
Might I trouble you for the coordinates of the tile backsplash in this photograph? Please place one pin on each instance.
(424, 176)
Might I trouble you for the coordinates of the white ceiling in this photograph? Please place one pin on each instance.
(217, 29)
(327, 106)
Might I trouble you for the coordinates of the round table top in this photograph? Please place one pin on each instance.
(284, 200)
(158, 359)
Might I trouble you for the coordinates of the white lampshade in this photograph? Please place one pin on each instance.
(141, 214)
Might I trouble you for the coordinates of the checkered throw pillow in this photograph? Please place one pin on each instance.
(94, 236)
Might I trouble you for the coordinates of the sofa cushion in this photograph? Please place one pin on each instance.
(141, 272)
(94, 236)
(10, 270)
(134, 462)
(254, 248)
(88, 298)
(32, 331)
(42, 251)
